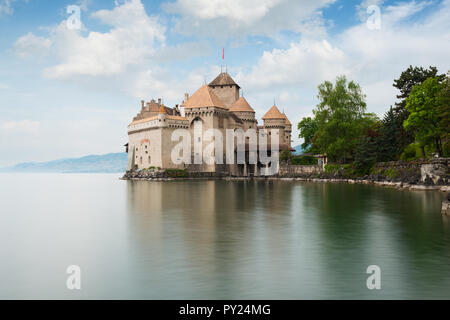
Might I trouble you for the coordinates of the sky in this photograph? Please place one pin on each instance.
(69, 87)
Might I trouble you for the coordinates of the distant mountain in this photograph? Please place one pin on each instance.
(112, 162)
(298, 150)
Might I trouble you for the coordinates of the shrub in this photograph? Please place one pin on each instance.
(303, 160)
(411, 152)
(176, 173)
(285, 156)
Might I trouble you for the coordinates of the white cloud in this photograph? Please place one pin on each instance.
(30, 45)
(19, 127)
(4, 86)
(134, 36)
(237, 18)
(126, 58)
(379, 56)
(373, 58)
(6, 7)
(303, 63)
(132, 39)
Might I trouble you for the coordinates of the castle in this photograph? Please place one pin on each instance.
(217, 105)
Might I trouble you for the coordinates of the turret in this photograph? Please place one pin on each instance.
(225, 88)
(245, 112)
(162, 114)
(275, 120)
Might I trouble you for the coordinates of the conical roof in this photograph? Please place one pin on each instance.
(223, 79)
(273, 113)
(241, 105)
(204, 97)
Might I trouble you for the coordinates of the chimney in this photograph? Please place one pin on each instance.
(186, 97)
(142, 104)
(159, 101)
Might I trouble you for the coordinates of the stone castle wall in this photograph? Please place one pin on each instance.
(228, 94)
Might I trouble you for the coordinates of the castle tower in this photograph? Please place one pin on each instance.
(205, 108)
(245, 112)
(275, 120)
(225, 88)
(162, 115)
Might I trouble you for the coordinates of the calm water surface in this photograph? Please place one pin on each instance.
(218, 239)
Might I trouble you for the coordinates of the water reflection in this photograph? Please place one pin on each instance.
(218, 239)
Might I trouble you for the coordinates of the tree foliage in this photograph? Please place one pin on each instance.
(417, 126)
(308, 128)
(427, 115)
(411, 77)
(405, 83)
(341, 119)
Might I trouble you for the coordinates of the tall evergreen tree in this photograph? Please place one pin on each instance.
(389, 143)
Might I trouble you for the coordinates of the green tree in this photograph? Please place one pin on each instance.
(426, 114)
(411, 77)
(405, 83)
(367, 150)
(390, 143)
(285, 156)
(308, 128)
(444, 112)
(341, 119)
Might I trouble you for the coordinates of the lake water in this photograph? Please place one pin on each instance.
(218, 239)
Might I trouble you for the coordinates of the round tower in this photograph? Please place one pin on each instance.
(274, 120)
(245, 112)
(162, 115)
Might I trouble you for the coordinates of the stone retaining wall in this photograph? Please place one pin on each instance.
(298, 170)
(424, 171)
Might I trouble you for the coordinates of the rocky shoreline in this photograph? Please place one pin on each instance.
(410, 183)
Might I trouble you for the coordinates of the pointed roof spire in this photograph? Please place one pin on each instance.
(204, 97)
(273, 113)
(241, 105)
(223, 79)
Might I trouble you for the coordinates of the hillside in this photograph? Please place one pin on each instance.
(112, 162)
